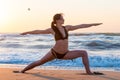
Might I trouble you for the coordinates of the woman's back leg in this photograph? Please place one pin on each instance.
(48, 57)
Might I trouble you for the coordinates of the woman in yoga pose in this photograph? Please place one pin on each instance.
(60, 49)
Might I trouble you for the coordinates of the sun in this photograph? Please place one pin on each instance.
(3, 13)
(2, 16)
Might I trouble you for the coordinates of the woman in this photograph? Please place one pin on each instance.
(60, 49)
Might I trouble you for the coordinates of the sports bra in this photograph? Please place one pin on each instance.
(58, 34)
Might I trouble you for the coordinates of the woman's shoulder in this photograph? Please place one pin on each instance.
(51, 30)
(68, 27)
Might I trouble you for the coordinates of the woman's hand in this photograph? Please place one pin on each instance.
(96, 24)
(24, 33)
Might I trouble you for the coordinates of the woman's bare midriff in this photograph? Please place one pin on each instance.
(61, 46)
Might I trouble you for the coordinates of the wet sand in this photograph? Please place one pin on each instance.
(40, 74)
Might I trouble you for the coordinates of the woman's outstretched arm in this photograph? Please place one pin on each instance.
(46, 31)
(70, 28)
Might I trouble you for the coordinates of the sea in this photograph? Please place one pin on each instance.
(103, 50)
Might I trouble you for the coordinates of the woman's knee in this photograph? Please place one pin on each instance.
(84, 52)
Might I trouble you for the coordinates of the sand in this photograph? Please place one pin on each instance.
(39, 74)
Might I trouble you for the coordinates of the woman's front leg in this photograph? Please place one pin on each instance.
(79, 53)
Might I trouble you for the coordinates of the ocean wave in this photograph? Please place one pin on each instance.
(25, 46)
(95, 61)
(39, 40)
(76, 41)
(18, 57)
(105, 61)
(39, 46)
(102, 45)
(12, 45)
(2, 39)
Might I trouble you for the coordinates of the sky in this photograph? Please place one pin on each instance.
(16, 18)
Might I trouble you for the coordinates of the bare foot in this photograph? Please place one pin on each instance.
(90, 73)
(18, 71)
(22, 71)
(95, 73)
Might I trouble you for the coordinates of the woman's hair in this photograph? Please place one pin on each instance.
(55, 17)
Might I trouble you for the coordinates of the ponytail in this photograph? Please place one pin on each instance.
(52, 24)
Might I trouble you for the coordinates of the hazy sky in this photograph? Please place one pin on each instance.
(15, 16)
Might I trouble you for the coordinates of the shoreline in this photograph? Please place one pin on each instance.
(18, 66)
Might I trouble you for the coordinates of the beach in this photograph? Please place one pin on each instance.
(59, 39)
(40, 74)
